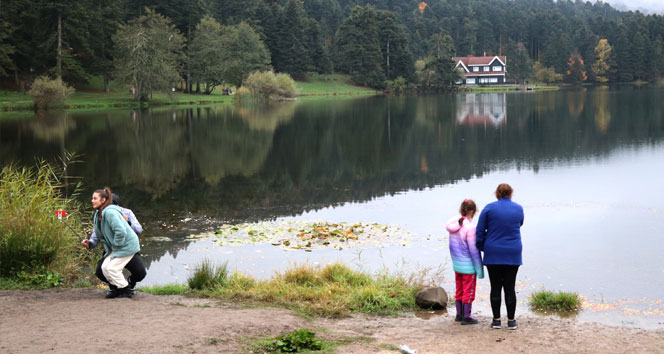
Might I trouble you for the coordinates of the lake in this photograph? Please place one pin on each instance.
(586, 165)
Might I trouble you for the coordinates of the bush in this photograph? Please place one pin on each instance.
(286, 86)
(48, 92)
(549, 301)
(208, 276)
(34, 245)
(267, 85)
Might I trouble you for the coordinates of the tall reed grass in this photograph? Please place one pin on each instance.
(559, 302)
(32, 239)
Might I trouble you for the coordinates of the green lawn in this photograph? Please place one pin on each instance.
(91, 96)
(331, 84)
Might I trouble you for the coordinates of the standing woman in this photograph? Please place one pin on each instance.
(119, 240)
(499, 237)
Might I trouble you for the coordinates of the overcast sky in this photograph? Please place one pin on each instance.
(645, 6)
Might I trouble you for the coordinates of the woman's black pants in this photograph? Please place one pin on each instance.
(135, 267)
(503, 277)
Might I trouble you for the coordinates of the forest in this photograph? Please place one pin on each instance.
(373, 41)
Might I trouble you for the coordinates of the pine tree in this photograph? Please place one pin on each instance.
(576, 72)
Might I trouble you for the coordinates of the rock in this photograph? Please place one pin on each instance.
(432, 298)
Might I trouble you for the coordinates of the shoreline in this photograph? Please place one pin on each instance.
(54, 320)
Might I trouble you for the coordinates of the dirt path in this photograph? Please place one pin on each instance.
(81, 320)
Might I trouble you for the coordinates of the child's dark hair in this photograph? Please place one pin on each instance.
(467, 206)
(104, 193)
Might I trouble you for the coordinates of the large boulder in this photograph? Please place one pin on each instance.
(431, 298)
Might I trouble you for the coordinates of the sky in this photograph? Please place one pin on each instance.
(645, 6)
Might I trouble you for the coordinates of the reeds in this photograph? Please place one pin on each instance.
(32, 239)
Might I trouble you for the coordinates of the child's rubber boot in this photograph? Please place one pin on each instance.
(468, 319)
(459, 308)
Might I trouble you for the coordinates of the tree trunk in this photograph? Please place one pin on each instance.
(59, 55)
(188, 59)
(388, 59)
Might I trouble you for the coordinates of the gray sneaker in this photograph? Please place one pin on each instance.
(511, 324)
(496, 324)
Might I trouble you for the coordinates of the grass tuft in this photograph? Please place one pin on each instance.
(208, 276)
(170, 289)
(560, 302)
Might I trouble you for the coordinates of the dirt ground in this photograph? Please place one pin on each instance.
(82, 321)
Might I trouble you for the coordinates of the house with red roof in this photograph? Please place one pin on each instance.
(482, 70)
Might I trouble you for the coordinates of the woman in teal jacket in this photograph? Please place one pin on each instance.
(119, 240)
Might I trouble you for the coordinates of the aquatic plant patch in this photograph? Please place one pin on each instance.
(307, 235)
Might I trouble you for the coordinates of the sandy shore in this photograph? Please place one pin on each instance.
(81, 320)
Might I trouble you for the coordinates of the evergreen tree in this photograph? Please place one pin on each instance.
(6, 49)
(397, 59)
(358, 49)
(521, 67)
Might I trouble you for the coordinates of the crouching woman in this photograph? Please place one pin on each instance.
(119, 240)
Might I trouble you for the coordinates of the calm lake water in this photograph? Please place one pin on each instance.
(586, 165)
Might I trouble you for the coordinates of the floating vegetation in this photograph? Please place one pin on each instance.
(307, 235)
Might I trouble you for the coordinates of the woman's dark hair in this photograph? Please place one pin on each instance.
(467, 206)
(504, 190)
(104, 193)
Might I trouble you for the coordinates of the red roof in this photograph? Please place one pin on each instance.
(475, 61)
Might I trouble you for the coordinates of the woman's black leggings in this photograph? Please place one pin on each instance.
(135, 267)
(503, 277)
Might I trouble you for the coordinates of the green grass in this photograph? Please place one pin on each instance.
(207, 276)
(36, 248)
(298, 341)
(170, 289)
(331, 84)
(556, 302)
(11, 101)
(334, 290)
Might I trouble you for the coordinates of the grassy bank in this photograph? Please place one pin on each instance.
(91, 96)
(331, 85)
(334, 290)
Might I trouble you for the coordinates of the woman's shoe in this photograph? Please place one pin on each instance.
(112, 294)
(496, 324)
(511, 324)
(125, 292)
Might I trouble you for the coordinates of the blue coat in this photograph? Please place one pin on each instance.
(498, 233)
(115, 234)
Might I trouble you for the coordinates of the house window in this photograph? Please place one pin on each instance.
(497, 68)
(470, 81)
(493, 80)
(486, 68)
(476, 69)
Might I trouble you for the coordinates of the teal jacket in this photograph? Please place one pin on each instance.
(115, 234)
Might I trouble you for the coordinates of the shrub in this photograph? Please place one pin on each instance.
(208, 276)
(286, 85)
(35, 246)
(267, 85)
(545, 300)
(48, 92)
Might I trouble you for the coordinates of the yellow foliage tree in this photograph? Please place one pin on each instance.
(601, 66)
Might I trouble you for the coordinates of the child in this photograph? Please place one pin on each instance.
(466, 260)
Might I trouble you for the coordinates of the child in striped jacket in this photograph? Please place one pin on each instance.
(466, 260)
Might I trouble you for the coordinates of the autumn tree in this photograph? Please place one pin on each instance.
(148, 54)
(546, 74)
(576, 71)
(601, 66)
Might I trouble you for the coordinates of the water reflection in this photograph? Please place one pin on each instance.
(249, 163)
(482, 109)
